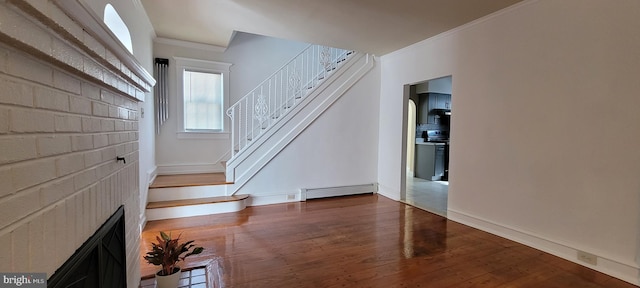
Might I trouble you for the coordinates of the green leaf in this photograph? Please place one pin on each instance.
(165, 236)
(167, 252)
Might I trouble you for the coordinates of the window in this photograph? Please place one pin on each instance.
(117, 26)
(203, 97)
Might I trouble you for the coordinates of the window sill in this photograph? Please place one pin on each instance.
(203, 135)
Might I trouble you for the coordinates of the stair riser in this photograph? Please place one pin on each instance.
(195, 210)
(190, 192)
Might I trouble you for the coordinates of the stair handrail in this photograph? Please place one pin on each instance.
(270, 76)
(292, 81)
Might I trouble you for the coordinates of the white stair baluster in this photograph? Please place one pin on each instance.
(276, 96)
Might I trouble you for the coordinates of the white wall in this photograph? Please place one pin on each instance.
(254, 58)
(439, 85)
(544, 143)
(142, 34)
(338, 149)
(63, 122)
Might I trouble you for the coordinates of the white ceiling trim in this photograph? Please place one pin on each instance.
(188, 44)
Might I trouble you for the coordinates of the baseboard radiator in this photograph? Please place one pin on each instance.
(315, 193)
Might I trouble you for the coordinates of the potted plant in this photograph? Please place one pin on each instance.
(167, 252)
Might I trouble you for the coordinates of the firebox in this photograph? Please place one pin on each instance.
(99, 262)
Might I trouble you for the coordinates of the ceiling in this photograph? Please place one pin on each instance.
(374, 26)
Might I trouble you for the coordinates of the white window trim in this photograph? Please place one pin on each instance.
(201, 66)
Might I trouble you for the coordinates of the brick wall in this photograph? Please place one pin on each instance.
(67, 109)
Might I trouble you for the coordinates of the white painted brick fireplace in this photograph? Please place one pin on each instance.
(68, 107)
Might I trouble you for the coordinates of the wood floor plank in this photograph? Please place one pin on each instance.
(364, 241)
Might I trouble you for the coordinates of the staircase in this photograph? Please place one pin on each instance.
(177, 196)
(272, 115)
(273, 99)
(263, 122)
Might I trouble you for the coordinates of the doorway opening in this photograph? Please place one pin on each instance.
(411, 137)
(428, 124)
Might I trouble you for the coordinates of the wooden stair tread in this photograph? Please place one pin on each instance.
(196, 201)
(186, 180)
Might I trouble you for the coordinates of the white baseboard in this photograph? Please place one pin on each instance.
(388, 192)
(313, 193)
(190, 169)
(151, 174)
(259, 200)
(143, 221)
(625, 271)
(304, 194)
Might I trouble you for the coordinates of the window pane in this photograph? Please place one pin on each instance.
(202, 101)
(117, 26)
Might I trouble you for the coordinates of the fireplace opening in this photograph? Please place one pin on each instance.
(99, 262)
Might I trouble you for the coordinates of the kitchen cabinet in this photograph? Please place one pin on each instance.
(429, 161)
(426, 104)
(430, 101)
(443, 101)
(438, 164)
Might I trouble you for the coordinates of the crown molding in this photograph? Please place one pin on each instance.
(188, 44)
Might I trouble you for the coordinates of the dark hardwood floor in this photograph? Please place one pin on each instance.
(364, 241)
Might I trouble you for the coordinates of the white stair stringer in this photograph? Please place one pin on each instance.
(246, 164)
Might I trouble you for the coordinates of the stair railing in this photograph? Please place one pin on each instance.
(272, 99)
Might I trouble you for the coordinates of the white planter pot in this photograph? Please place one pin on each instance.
(169, 281)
